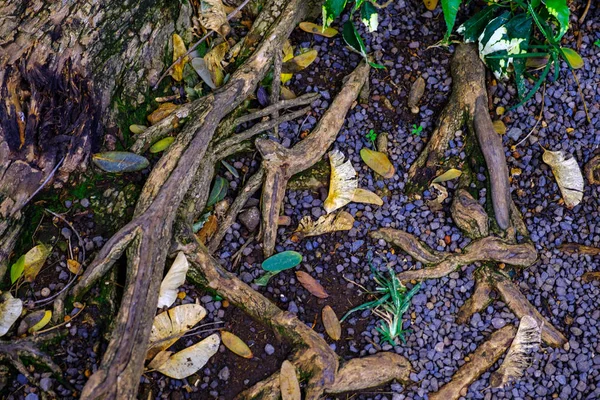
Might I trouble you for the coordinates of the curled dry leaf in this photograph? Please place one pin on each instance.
(187, 362)
(178, 51)
(172, 281)
(436, 204)
(592, 170)
(567, 174)
(331, 323)
(299, 62)
(208, 229)
(288, 382)
(416, 93)
(342, 221)
(378, 162)
(318, 29)
(170, 325)
(342, 182)
(213, 17)
(162, 112)
(213, 61)
(10, 311)
(74, 266)
(34, 261)
(311, 285)
(366, 197)
(452, 173)
(519, 356)
(236, 345)
(34, 321)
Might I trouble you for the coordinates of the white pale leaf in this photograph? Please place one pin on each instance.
(174, 279)
(187, 362)
(341, 221)
(10, 311)
(342, 182)
(201, 69)
(568, 175)
(171, 325)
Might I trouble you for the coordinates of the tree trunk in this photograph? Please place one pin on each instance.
(63, 67)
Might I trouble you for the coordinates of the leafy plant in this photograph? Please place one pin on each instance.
(368, 16)
(416, 130)
(509, 33)
(597, 42)
(371, 136)
(394, 300)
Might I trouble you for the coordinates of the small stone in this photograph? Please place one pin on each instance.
(250, 218)
(224, 374)
(514, 133)
(498, 323)
(45, 292)
(32, 396)
(269, 349)
(45, 384)
(85, 203)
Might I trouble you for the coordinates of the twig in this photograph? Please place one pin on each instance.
(587, 8)
(50, 175)
(61, 324)
(538, 120)
(81, 243)
(587, 116)
(195, 45)
(304, 99)
(276, 87)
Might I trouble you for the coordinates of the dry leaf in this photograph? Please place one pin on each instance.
(366, 197)
(341, 221)
(43, 321)
(311, 285)
(430, 4)
(178, 51)
(213, 61)
(162, 112)
(452, 173)
(342, 182)
(288, 54)
(317, 29)
(201, 69)
(34, 261)
(288, 382)
(160, 359)
(208, 229)
(520, 354)
(10, 311)
(567, 174)
(74, 266)
(187, 362)
(287, 94)
(171, 325)
(499, 127)
(416, 93)
(236, 345)
(213, 17)
(378, 162)
(172, 281)
(299, 62)
(436, 204)
(331, 323)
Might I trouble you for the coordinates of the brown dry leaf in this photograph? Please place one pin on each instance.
(430, 4)
(178, 51)
(568, 175)
(366, 197)
(213, 17)
(288, 382)
(416, 93)
(341, 221)
(317, 29)
(74, 266)
(160, 359)
(499, 127)
(342, 182)
(331, 323)
(208, 229)
(378, 162)
(236, 345)
(436, 204)
(299, 62)
(213, 61)
(311, 285)
(287, 94)
(162, 112)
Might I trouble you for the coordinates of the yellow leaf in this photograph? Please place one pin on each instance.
(287, 94)
(74, 266)
(160, 359)
(236, 345)
(34, 261)
(378, 162)
(342, 182)
(499, 127)
(42, 323)
(367, 197)
(331, 323)
(500, 110)
(213, 61)
(452, 173)
(162, 112)
(430, 4)
(189, 361)
(568, 175)
(288, 54)
(178, 51)
(288, 382)
(299, 62)
(317, 29)
(213, 17)
(572, 57)
(137, 129)
(515, 171)
(162, 144)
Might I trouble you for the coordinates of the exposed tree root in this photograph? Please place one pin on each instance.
(312, 356)
(479, 300)
(590, 276)
(480, 361)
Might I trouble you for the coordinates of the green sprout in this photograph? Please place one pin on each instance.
(416, 130)
(597, 42)
(371, 136)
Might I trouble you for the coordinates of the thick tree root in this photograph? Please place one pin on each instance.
(281, 164)
(480, 361)
(480, 299)
(313, 356)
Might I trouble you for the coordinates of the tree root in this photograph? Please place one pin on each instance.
(281, 164)
(480, 361)
(477, 302)
(313, 355)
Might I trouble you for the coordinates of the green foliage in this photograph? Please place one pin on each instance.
(218, 191)
(416, 130)
(597, 42)
(510, 32)
(371, 136)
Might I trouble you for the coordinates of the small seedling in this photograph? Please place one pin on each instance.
(597, 42)
(371, 136)
(416, 130)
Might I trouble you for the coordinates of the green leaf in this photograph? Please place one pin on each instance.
(16, 270)
(331, 10)
(450, 9)
(535, 88)
(162, 144)
(369, 16)
(264, 280)
(572, 57)
(218, 191)
(475, 25)
(119, 161)
(519, 27)
(282, 261)
(375, 65)
(230, 168)
(559, 10)
(353, 39)
(357, 4)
